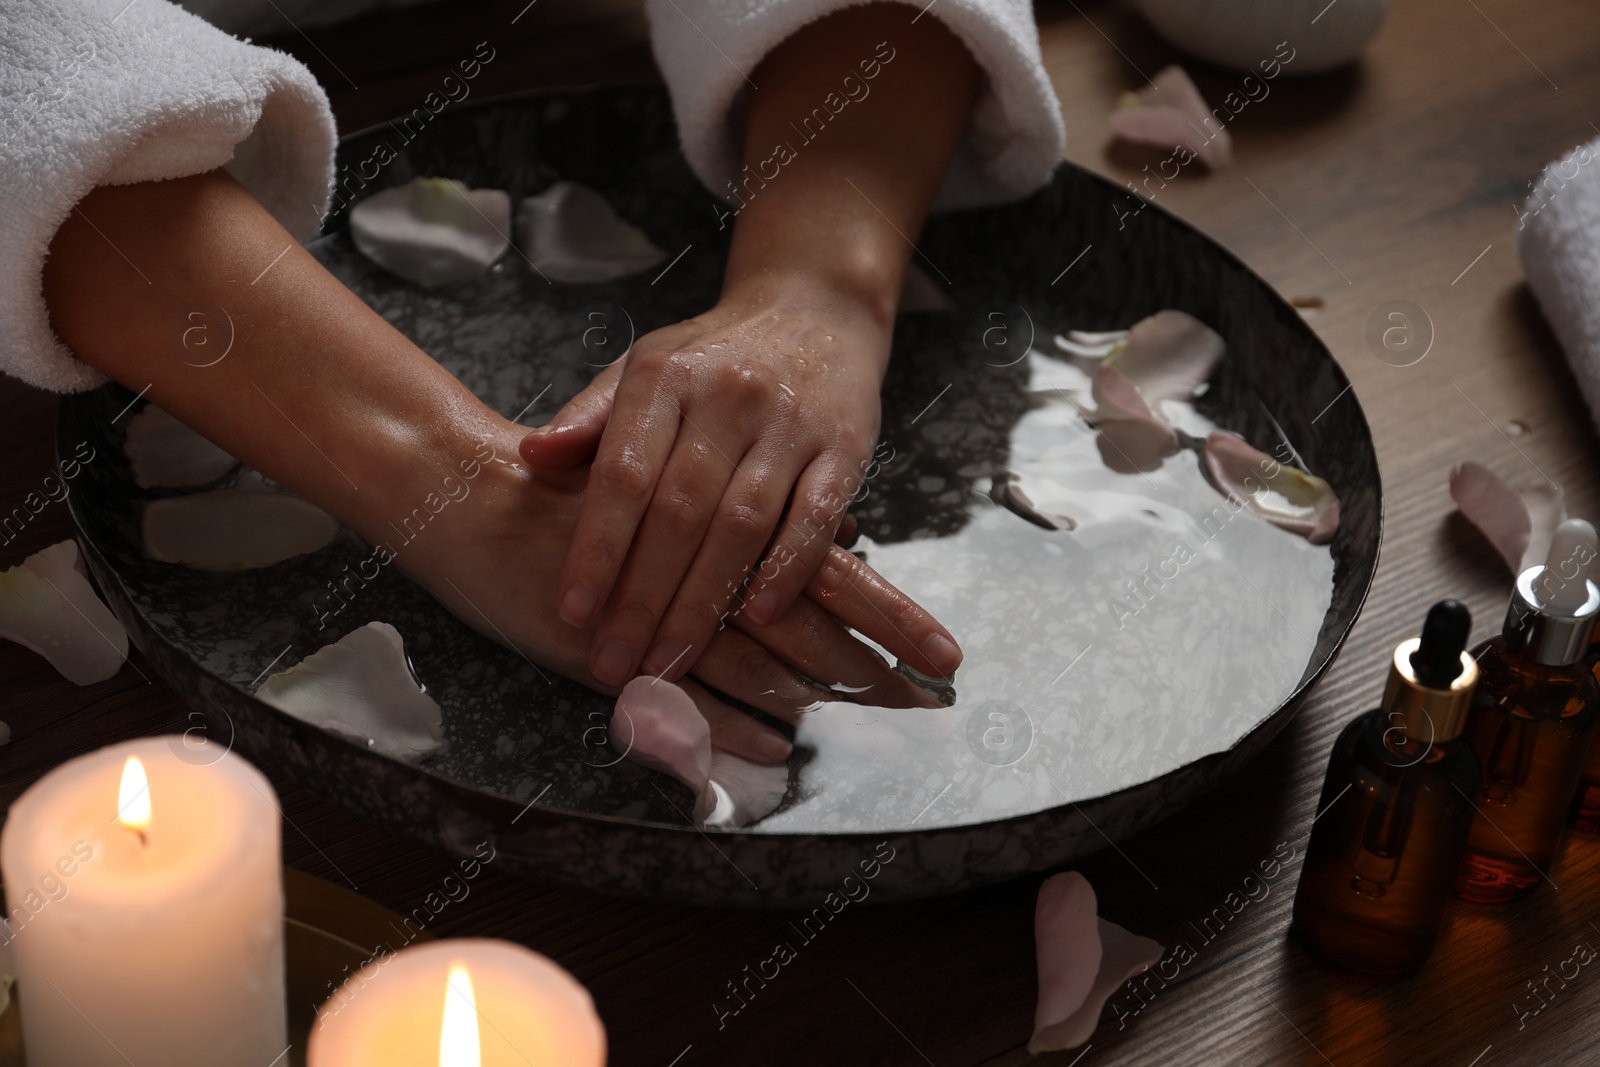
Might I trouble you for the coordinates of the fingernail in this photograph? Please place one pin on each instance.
(664, 656)
(943, 653)
(772, 746)
(763, 607)
(614, 662)
(928, 699)
(577, 605)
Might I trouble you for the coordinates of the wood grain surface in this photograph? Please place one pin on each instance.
(1398, 179)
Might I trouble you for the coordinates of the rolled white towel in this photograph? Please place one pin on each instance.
(104, 92)
(707, 48)
(1558, 238)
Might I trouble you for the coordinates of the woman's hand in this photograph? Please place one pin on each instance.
(725, 451)
(493, 558)
(732, 442)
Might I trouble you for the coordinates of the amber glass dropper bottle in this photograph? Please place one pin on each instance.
(1586, 808)
(1532, 721)
(1394, 811)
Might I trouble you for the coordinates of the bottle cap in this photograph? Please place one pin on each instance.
(1554, 607)
(1431, 679)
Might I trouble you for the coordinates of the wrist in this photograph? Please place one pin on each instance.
(415, 481)
(855, 301)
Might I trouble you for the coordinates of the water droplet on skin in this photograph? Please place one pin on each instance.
(1518, 428)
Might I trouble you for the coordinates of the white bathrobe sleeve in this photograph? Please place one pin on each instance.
(706, 50)
(107, 92)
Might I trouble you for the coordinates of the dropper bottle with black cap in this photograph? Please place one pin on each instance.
(1533, 721)
(1395, 810)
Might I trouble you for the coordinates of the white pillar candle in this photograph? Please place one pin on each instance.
(146, 914)
(462, 1003)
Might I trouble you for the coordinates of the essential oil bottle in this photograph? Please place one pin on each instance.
(1532, 721)
(1395, 810)
(1586, 807)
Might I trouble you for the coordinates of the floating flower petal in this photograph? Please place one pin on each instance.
(1087, 345)
(167, 454)
(572, 234)
(1007, 490)
(1168, 356)
(741, 792)
(1133, 435)
(433, 231)
(48, 605)
(1285, 496)
(658, 724)
(1518, 520)
(361, 687)
(235, 529)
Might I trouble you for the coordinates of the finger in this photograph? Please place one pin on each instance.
(849, 530)
(803, 540)
(862, 598)
(734, 731)
(746, 670)
(811, 640)
(670, 534)
(632, 453)
(573, 435)
(739, 533)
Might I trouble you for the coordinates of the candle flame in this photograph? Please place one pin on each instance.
(133, 798)
(458, 1037)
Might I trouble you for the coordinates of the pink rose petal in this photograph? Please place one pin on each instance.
(1122, 956)
(1168, 355)
(1133, 436)
(1129, 447)
(1518, 521)
(1170, 113)
(1068, 951)
(1116, 398)
(1285, 496)
(1165, 357)
(48, 605)
(741, 792)
(657, 724)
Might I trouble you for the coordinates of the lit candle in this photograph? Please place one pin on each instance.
(466, 1003)
(144, 887)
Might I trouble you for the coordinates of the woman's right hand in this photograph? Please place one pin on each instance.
(496, 564)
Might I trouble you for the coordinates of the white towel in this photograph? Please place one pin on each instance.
(104, 92)
(706, 48)
(1558, 238)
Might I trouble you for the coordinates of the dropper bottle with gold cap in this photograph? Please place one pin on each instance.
(1533, 721)
(1395, 809)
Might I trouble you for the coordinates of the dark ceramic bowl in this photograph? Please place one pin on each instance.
(519, 767)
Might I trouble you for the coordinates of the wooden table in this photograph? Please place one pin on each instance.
(1398, 179)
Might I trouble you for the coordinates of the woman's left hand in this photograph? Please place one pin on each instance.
(725, 448)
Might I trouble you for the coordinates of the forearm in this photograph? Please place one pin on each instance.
(841, 172)
(151, 283)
